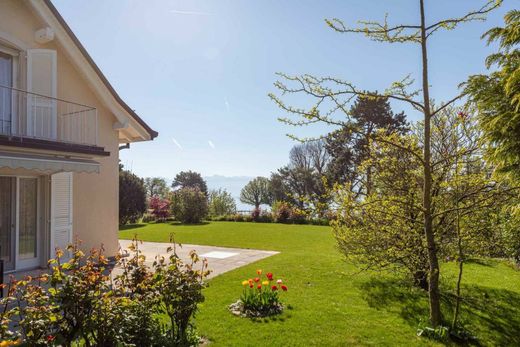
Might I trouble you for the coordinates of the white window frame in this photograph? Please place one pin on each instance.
(15, 83)
(20, 265)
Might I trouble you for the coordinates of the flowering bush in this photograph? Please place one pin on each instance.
(77, 304)
(260, 296)
(160, 208)
(281, 211)
(255, 214)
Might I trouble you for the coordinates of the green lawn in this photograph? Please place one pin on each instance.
(331, 303)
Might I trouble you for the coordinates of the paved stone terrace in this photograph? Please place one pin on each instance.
(220, 259)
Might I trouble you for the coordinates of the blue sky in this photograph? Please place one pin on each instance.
(199, 71)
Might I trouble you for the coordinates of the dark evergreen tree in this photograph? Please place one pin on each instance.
(132, 197)
(190, 179)
(348, 146)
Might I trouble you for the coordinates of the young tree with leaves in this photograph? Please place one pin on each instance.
(156, 187)
(256, 192)
(221, 203)
(385, 228)
(337, 94)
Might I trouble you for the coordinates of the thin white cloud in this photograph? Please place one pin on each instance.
(176, 143)
(191, 13)
(226, 102)
(211, 144)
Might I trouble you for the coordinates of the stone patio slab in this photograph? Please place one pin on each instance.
(220, 259)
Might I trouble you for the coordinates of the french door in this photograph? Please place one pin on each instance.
(19, 230)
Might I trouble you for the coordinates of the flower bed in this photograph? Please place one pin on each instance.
(260, 297)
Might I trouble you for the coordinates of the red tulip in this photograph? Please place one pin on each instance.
(284, 288)
(273, 288)
(257, 279)
(269, 276)
(259, 287)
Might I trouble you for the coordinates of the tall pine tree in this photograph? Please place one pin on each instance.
(349, 146)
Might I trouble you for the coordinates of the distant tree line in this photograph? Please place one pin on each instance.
(187, 199)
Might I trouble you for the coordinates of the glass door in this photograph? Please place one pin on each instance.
(28, 237)
(7, 221)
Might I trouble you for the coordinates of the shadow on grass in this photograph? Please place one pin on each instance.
(492, 315)
(274, 318)
(482, 262)
(131, 226)
(269, 319)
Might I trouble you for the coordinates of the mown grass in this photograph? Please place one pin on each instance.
(331, 302)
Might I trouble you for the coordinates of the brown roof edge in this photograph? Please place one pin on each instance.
(100, 74)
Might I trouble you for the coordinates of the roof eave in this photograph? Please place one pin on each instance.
(122, 105)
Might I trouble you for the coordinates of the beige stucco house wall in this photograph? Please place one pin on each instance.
(94, 196)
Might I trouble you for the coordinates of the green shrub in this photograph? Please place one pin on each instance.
(319, 221)
(238, 218)
(148, 217)
(298, 216)
(265, 217)
(271, 217)
(281, 211)
(180, 291)
(189, 205)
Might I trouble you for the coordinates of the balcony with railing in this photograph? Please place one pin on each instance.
(30, 116)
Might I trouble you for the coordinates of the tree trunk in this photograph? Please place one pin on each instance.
(433, 285)
(460, 255)
(459, 280)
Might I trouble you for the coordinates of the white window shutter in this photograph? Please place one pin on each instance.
(61, 212)
(42, 81)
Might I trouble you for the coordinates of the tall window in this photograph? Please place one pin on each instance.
(6, 82)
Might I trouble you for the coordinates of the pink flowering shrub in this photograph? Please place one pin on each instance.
(160, 208)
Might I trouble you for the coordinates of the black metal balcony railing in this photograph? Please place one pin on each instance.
(30, 115)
